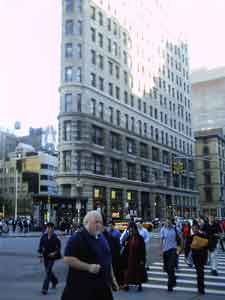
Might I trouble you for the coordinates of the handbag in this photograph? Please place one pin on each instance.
(199, 243)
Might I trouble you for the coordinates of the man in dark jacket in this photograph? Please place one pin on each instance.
(49, 249)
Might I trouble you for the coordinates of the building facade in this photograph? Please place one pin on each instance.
(125, 110)
(208, 98)
(24, 173)
(210, 171)
(8, 142)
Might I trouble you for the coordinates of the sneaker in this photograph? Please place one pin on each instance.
(44, 292)
(170, 289)
(214, 273)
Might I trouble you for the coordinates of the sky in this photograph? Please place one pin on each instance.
(30, 54)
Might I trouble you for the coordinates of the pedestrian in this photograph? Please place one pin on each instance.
(49, 250)
(213, 232)
(114, 244)
(146, 236)
(88, 256)
(14, 223)
(199, 255)
(134, 259)
(168, 246)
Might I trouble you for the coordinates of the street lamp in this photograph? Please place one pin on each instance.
(18, 168)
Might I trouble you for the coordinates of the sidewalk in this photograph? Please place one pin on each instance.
(30, 234)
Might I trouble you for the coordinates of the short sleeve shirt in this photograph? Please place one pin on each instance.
(168, 237)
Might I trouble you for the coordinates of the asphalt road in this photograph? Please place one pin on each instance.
(21, 274)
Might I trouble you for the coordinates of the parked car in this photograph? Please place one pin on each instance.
(122, 225)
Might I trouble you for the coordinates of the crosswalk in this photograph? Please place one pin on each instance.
(154, 235)
(186, 277)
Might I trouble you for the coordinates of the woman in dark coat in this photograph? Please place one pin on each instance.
(199, 257)
(134, 258)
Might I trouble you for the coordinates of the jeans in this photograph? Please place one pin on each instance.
(213, 258)
(49, 276)
(169, 260)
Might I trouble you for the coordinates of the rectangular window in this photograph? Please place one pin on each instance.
(79, 103)
(116, 168)
(125, 97)
(155, 154)
(93, 107)
(68, 102)
(118, 117)
(68, 50)
(109, 26)
(79, 51)
(111, 115)
(78, 75)
(117, 72)
(110, 89)
(101, 62)
(144, 174)
(97, 135)
(93, 34)
(132, 124)
(101, 110)
(131, 146)
(67, 160)
(132, 100)
(69, 6)
(79, 130)
(101, 84)
(117, 93)
(139, 104)
(98, 164)
(93, 79)
(143, 150)
(115, 140)
(79, 27)
(100, 19)
(93, 57)
(69, 27)
(93, 12)
(68, 74)
(100, 40)
(110, 68)
(139, 127)
(109, 45)
(131, 171)
(67, 133)
(126, 122)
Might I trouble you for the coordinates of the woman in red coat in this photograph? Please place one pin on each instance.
(134, 259)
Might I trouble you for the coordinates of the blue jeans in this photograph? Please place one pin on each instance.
(49, 275)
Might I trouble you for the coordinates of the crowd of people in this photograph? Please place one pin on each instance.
(20, 224)
(200, 243)
(100, 259)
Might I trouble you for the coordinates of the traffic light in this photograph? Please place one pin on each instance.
(177, 167)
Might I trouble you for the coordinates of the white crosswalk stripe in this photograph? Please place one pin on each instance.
(186, 277)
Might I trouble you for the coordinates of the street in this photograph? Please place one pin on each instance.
(21, 275)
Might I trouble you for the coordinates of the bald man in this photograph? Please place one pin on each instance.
(88, 256)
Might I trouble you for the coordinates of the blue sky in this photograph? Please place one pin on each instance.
(30, 54)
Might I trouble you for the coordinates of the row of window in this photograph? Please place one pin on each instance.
(97, 165)
(98, 136)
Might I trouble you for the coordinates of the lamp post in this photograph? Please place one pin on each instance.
(18, 168)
